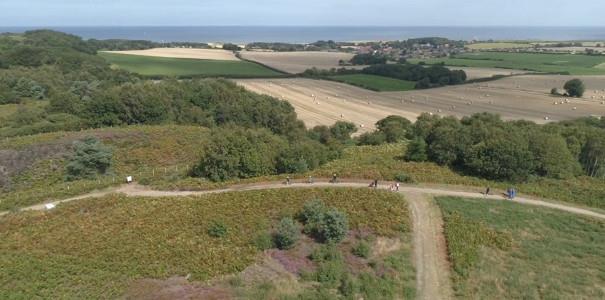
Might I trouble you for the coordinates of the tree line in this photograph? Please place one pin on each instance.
(484, 145)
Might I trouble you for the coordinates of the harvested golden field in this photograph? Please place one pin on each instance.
(476, 73)
(319, 102)
(209, 54)
(525, 97)
(297, 62)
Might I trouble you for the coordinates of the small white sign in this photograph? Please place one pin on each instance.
(49, 206)
(129, 179)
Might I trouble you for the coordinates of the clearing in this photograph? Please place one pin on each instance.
(209, 54)
(299, 61)
(165, 66)
(537, 254)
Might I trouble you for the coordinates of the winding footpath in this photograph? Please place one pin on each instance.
(430, 254)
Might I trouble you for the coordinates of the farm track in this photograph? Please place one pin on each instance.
(430, 256)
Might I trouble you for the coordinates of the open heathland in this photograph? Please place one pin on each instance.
(167, 66)
(538, 253)
(574, 64)
(100, 248)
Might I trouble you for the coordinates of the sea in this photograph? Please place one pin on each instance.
(308, 34)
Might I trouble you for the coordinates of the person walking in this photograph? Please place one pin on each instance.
(397, 187)
(487, 191)
(310, 179)
(334, 178)
(288, 180)
(375, 183)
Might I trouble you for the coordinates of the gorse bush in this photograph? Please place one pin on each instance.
(362, 249)
(326, 224)
(217, 229)
(287, 233)
(90, 158)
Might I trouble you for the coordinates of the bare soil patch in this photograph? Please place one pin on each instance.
(209, 54)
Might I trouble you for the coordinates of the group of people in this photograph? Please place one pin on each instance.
(394, 187)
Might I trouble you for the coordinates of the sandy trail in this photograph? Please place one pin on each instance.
(135, 190)
(430, 253)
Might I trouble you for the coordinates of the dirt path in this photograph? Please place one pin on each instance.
(135, 190)
(430, 253)
(430, 256)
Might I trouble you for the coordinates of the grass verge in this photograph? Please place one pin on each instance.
(501, 250)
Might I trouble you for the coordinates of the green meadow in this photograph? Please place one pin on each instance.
(375, 83)
(504, 250)
(549, 63)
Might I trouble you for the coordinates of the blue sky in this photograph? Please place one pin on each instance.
(303, 12)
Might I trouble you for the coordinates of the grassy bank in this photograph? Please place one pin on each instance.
(501, 250)
(375, 83)
(146, 65)
(549, 63)
(98, 248)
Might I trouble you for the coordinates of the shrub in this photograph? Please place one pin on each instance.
(217, 229)
(324, 253)
(362, 249)
(330, 272)
(405, 178)
(324, 224)
(90, 158)
(263, 241)
(554, 91)
(288, 233)
(312, 211)
(348, 287)
(334, 227)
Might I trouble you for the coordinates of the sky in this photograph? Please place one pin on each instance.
(302, 12)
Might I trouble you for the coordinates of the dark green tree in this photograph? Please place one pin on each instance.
(575, 88)
(416, 151)
(90, 158)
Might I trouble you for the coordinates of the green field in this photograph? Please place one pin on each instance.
(503, 250)
(375, 83)
(498, 45)
(551, 63)
(99, 248)
(161, 66)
